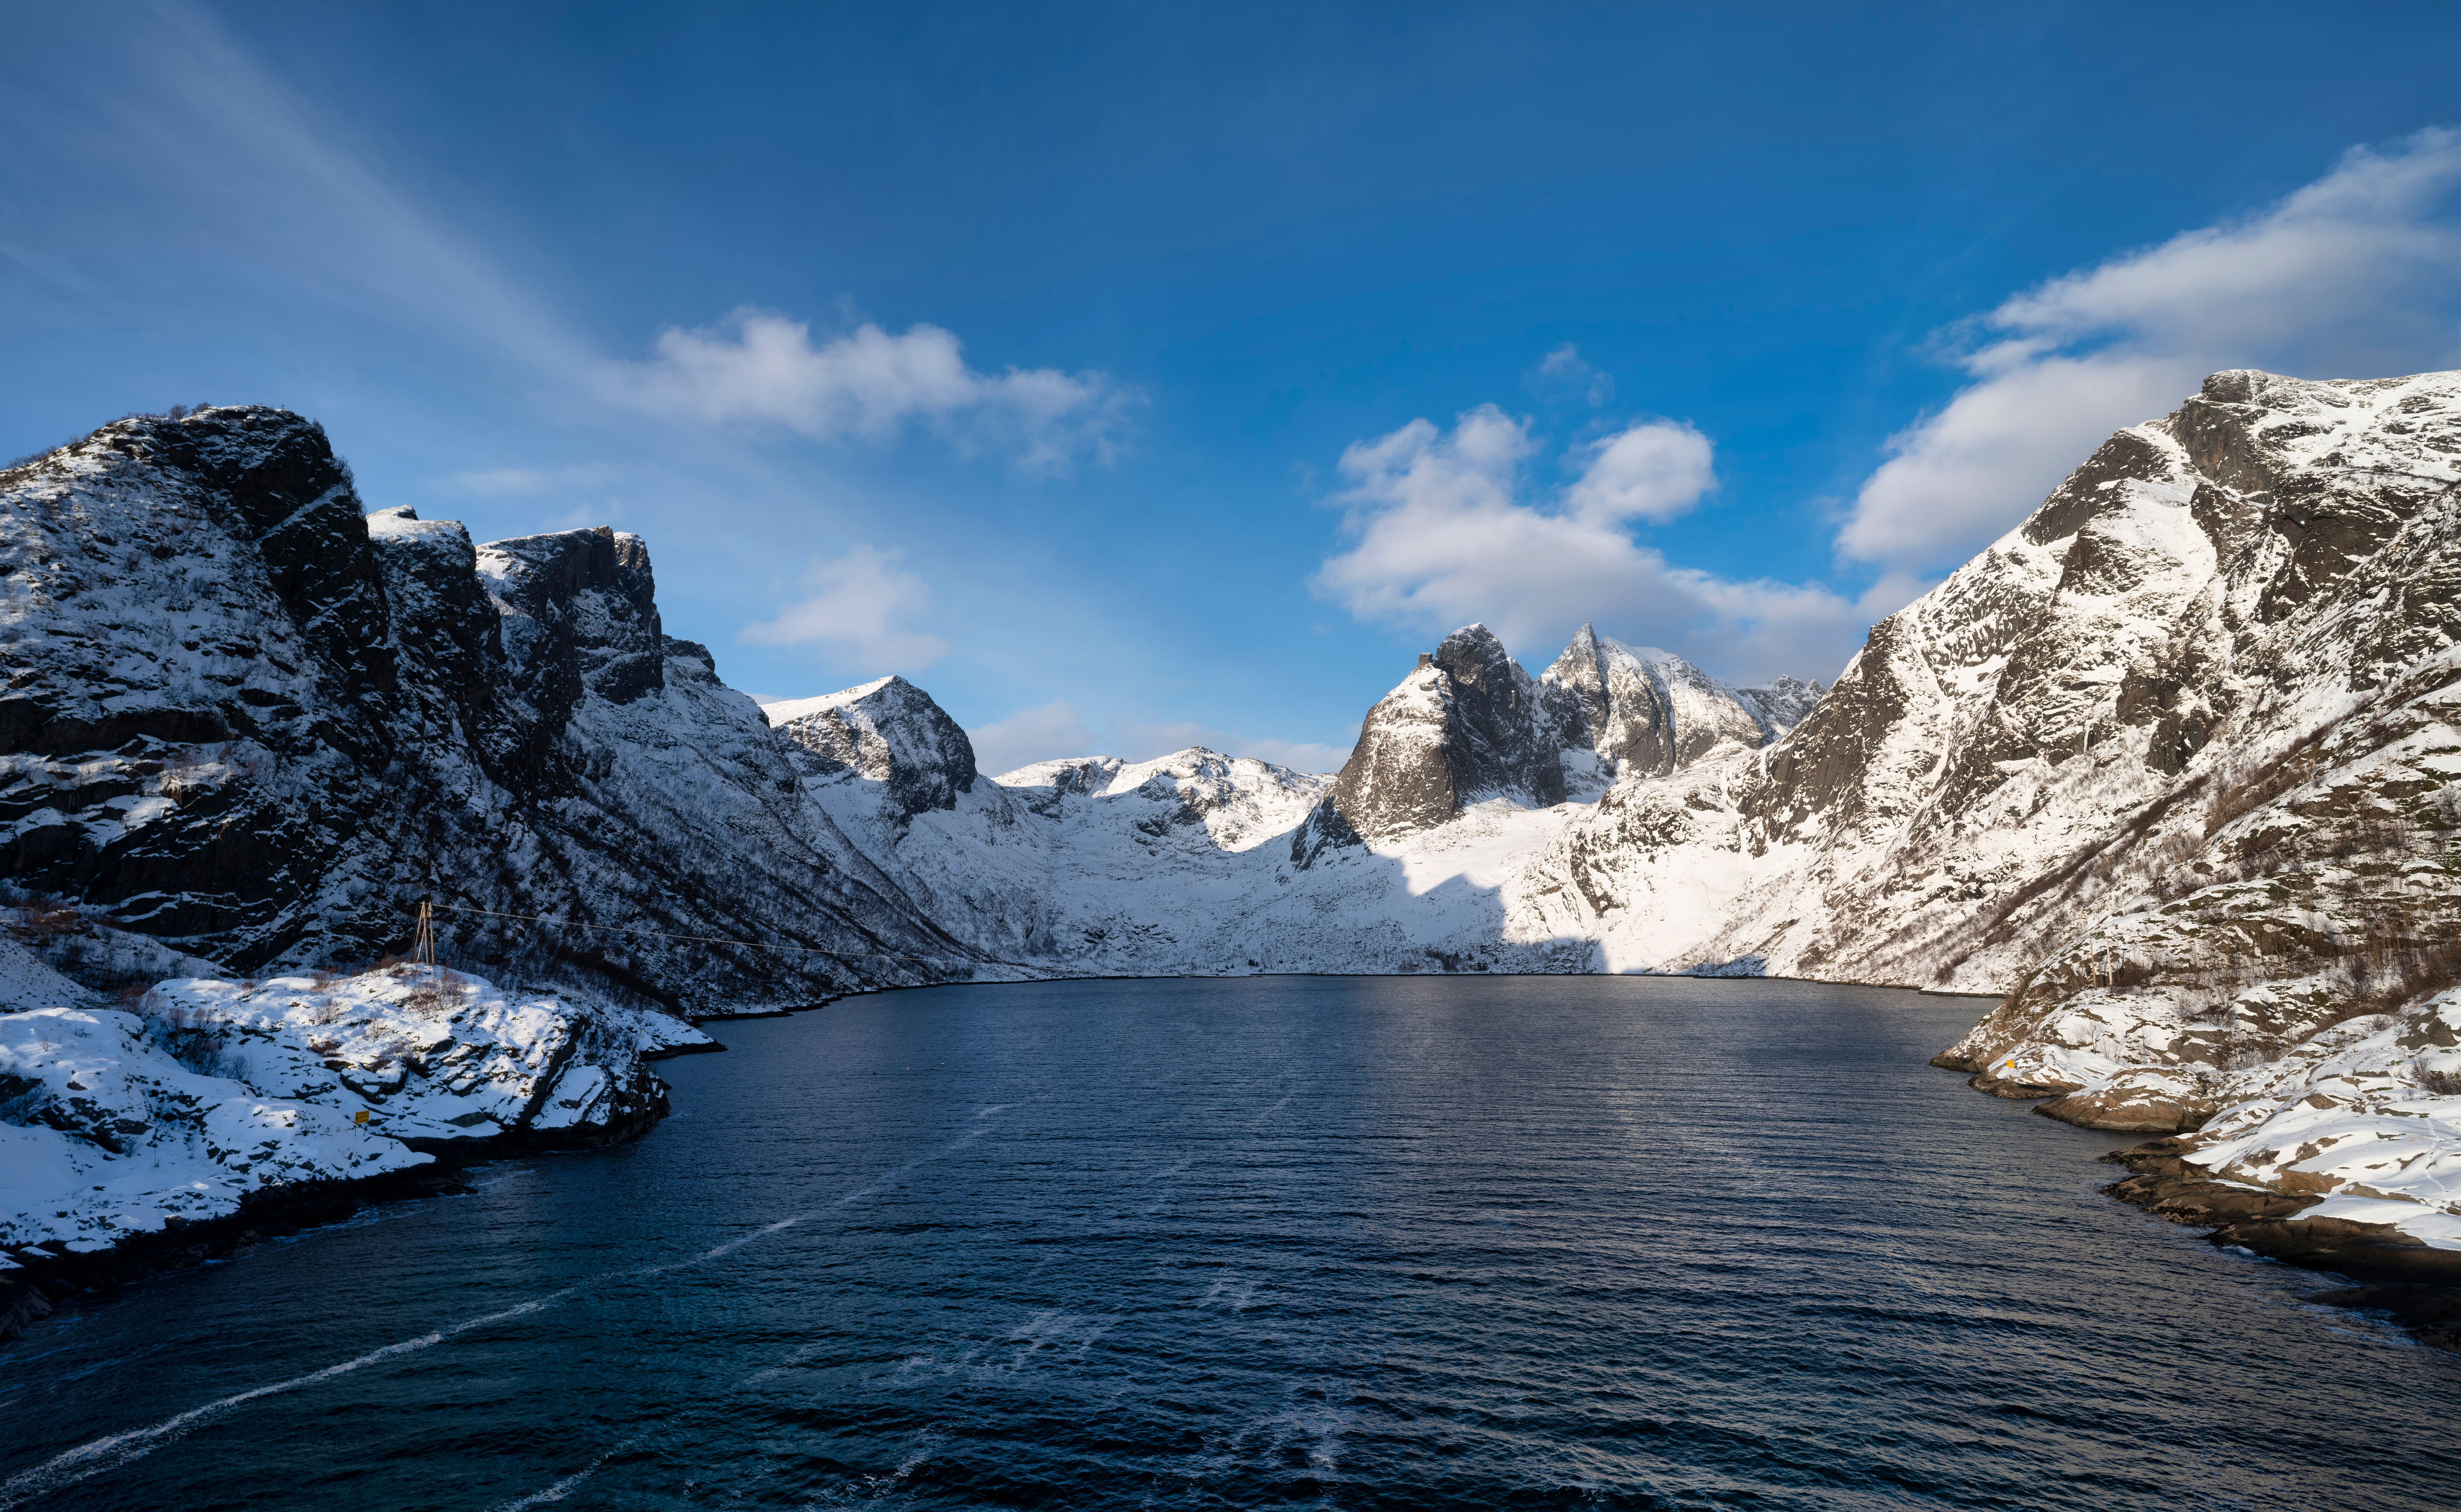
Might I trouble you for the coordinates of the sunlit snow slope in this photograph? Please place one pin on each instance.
(2169, 765)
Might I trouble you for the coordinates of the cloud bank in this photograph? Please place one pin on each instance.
(1446, 529)
(760, 368)
(2354, 275)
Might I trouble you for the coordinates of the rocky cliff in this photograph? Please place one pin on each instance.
(2170, 765)
(246, 719)
(887, 732)
(1470, 725)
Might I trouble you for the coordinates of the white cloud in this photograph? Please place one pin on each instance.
(1442, 536)
(1046, 732)
(1655, 471)
(762, 367)
(2356, 275)
(859, 610)
(1563, 374)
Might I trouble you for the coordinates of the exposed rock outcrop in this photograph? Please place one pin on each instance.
(248, 721)
(890, 732)
(1468, 725)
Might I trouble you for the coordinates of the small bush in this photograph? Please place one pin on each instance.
(44, 920)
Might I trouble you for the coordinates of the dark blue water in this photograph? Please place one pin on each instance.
(1280, 1242)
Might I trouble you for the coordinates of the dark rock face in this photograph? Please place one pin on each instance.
(1498, 741)
(887, 732)
(247, 720)
(1400, 775)
(1818, 774)
(1469, 724)
(1465, 725)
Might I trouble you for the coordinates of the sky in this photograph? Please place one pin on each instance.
(1131, 377)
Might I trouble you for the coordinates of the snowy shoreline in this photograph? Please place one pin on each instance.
(221, 1112)
(424, 1052)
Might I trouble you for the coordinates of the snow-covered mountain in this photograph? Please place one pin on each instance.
(1468, 724)
(2169, 766)
(250, 720)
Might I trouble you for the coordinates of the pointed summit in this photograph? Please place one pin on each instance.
(1467, 724)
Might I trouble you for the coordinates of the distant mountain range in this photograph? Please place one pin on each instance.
(2169, 767)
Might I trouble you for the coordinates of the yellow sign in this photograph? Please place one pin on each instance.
(360, 1117)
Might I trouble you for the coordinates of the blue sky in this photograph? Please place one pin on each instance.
(1133, 376)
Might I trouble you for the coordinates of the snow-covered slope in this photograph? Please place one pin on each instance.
(2169, 765)
(1198, 862)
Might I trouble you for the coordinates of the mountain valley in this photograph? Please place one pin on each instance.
(2169, 770)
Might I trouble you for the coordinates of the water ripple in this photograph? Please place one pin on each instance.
(1302, 1242)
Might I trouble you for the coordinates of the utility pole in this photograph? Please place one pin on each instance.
(422, 951)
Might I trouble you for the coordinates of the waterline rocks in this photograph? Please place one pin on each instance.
(206, 1095)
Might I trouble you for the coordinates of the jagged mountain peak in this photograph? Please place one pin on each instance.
(1468, 724)
(253, 720)
(1644, 711)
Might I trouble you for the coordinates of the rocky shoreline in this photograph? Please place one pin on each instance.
(39, 1277)
(2418, 1285)
(2267, 1223)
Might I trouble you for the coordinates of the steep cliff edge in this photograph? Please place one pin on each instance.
(1470, 725)
(247, 721)
(2171, 765)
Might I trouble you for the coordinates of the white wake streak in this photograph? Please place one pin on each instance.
(109, 1453)
(119, 1449)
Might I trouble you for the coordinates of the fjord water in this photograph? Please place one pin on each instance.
(1313, 1242)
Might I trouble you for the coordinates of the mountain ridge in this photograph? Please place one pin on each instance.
(2167, 767)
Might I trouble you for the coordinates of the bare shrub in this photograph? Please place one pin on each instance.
(41, 920)
(2246, 788)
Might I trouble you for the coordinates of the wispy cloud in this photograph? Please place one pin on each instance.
(525, 483)
(218, 170)
(760, 368)
(1446, 529)
(2354, 275)
(1564, 375)
(859, 610)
